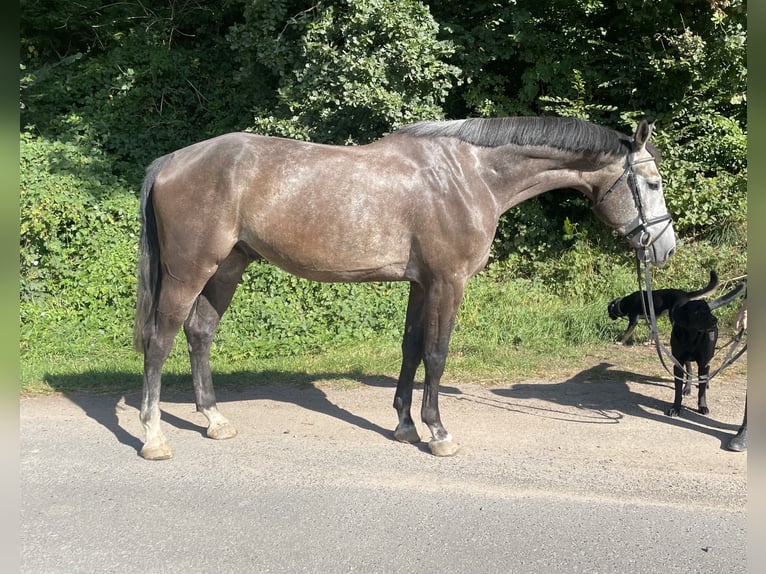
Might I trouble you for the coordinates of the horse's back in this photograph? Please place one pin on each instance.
(318, 211)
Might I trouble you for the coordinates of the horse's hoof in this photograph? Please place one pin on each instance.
(445, 447)
(407, 434)
(738, 442)
(222, 431)
(156, 452)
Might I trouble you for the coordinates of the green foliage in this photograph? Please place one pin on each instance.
(706, 178)
(105, 88)
(77, 233)
(134, 82)
(352, 70)
(77, 250)
(275, 313)
(679, 62)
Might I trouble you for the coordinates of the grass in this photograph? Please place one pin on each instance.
(508, 328)
(475, 359)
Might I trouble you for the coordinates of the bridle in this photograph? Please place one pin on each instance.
(645, 238)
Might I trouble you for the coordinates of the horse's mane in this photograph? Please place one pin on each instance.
(569, 134)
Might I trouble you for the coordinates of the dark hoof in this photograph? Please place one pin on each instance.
(406, 433)
(738, 442)
(674, 411)
(704, 410)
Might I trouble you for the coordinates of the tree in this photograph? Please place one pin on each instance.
(679, 62)
(345, 71)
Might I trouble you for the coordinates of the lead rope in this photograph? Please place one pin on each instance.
(654, 331)
(651, 317)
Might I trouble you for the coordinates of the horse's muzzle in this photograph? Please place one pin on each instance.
(656, 254)
(656, 243)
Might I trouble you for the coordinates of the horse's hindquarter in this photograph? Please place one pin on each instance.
(385, 211)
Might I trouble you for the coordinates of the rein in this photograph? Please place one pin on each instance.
(651, 319)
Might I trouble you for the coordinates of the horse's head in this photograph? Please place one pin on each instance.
(634, 204)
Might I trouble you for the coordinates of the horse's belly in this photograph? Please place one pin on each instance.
(335, 261)
(350, 275)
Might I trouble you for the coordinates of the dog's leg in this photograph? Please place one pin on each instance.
(702, 393)
(688, 385)
(629, 331)
(678, 379)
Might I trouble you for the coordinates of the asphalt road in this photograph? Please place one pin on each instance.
(582, 475)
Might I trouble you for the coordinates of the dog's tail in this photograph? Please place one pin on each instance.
(711, 286)
(729, 297)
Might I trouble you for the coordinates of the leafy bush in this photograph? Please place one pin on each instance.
(706, 178)
(274, 313)
(72, 210)
(351, 70)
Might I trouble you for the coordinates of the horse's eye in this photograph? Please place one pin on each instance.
(654, 185)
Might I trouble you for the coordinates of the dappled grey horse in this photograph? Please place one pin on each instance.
(419, 205)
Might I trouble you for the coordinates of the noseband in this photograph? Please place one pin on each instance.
(641, 229)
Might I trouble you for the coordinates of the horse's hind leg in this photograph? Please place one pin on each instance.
(200, 328)
(412, 355)
(173, 306)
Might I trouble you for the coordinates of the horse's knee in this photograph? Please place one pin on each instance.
(199, 332)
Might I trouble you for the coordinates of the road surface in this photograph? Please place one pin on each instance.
(579, 475)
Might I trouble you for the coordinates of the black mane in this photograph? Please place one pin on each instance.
(570, 134)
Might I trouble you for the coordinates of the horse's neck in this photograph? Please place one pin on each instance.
(516, 175)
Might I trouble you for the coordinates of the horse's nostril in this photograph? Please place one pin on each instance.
(671, 253)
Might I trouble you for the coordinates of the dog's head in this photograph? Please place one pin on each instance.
(694, 315)
(614, 309)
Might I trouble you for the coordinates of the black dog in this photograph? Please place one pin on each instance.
(693, 338)
(664, 300)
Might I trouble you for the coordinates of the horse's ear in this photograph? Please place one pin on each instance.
(643, 131)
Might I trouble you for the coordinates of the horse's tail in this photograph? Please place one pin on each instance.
(149, 256)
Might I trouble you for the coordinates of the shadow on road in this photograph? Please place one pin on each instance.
(604, 391)
(598, 395)
(296, 388)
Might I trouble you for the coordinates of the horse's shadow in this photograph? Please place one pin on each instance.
(599, 391)
(296, 388)
(603, 389)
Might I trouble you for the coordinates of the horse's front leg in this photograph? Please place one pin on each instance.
(441, 309)
(412, 354)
